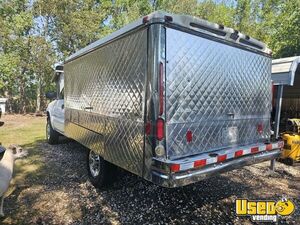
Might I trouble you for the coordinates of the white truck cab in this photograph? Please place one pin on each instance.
(55, 109)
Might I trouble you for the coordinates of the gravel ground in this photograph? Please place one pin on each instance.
(60, 193)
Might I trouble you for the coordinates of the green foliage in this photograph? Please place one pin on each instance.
(73, 24)
(36, 34)
(126, 11)
(178, 6)
(286, 38)
(8, 64)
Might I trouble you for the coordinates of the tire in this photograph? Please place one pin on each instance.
(52, 136)
(99, 170)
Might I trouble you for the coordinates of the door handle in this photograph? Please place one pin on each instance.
(231, 115)
(88, 107)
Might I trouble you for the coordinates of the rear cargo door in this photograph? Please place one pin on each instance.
(219, 93)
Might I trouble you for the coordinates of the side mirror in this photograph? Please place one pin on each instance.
(51, 95)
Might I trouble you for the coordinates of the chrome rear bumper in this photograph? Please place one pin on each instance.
(176, 179)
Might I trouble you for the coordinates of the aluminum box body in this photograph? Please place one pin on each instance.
(214, 86)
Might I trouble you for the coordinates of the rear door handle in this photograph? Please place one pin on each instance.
(231, 115)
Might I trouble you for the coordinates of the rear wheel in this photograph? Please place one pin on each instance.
(97, 169)
(51, 134)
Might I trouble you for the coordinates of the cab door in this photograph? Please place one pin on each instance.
(59, 108)
(59, 115)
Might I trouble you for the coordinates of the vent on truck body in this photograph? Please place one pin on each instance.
(184, 21)
(209, 28)
(229, 34)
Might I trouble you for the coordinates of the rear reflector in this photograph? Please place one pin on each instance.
(201, 162)
(222, 158)
(161, 88)
(160, 129)
(269, 147)
(175, 167)
(189, 136)
(238, 153)
(209, 160)
(254, 150)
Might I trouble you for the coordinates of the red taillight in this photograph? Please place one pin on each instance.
(201, 162)
(254, 150)
(189, 136)
(161, 88)
(175, 167)
(238, 153)
(160, 129)
(222, 158)
(260, 128)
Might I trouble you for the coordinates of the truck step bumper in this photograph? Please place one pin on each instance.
(192, 169)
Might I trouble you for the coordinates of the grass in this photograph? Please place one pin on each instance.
(38, 190)
(28, 132)
(22, 130)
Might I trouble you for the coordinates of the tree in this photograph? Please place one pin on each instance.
(73, 24)
(26, 57)
(177, 6)
(36, 34)
(17, 22)
(126, 11)
(286, 38)
(43, 59)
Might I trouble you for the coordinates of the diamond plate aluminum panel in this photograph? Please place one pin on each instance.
(213, 89)
(104, 92)
(86, 137)
(91, 121)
